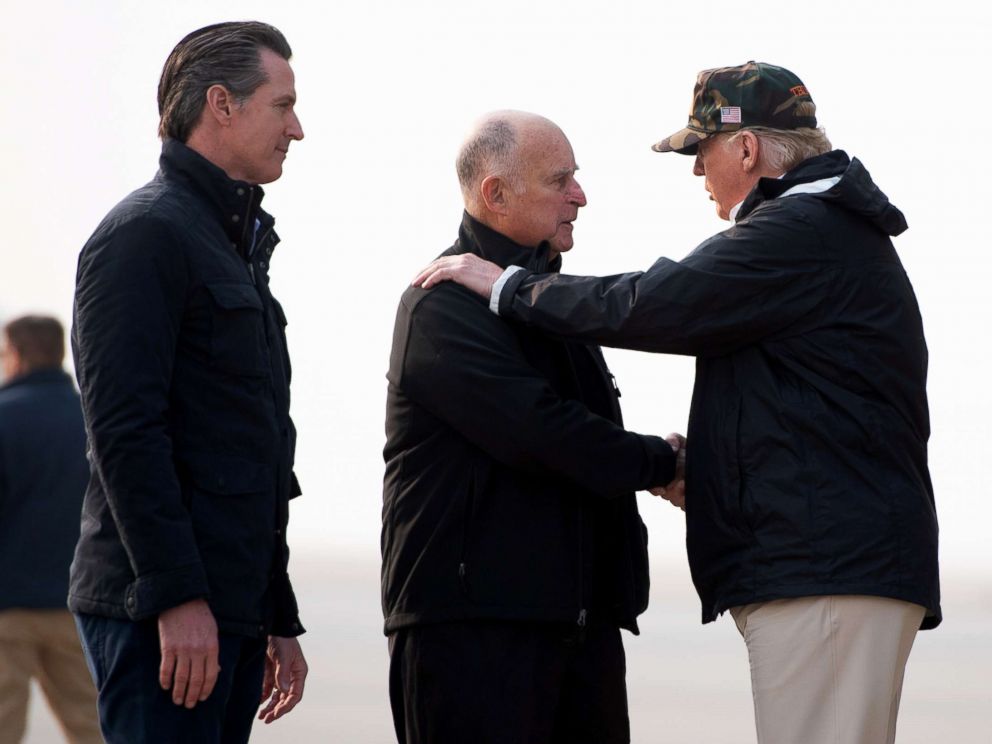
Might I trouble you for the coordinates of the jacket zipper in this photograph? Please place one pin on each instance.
(466, 528)
(581, 622)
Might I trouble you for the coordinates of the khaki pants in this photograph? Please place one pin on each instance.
(43, 644)
(828, 670)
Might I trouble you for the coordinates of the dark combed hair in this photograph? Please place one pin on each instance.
(39, 340)
(225, 54)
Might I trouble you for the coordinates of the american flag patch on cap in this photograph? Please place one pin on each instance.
(730, 115)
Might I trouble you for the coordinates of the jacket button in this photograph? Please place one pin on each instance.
(241, 192)
(278, 532)
(130, 601)
(261, 628)
(235, 218)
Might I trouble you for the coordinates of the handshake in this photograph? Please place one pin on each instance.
(675, 491)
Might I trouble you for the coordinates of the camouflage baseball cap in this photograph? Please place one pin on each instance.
(730, 98)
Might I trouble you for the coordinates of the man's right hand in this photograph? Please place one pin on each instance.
(466, 269)
(188, 640)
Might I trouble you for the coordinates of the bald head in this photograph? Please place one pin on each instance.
(517, 174)
(494, 147)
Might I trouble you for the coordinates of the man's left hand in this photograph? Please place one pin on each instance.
(285, 675)
(675, 491)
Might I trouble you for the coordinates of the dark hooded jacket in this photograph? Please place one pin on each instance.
(509, 482)
(807, 458)
(180, 352)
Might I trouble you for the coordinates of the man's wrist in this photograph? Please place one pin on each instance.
(498, 287)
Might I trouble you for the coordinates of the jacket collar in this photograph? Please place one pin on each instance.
(39, 377)
(237, 204)
(483, 241)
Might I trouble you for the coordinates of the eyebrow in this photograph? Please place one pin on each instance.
(285, 98)
(563, 172)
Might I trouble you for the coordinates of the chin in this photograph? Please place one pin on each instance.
(269, 176)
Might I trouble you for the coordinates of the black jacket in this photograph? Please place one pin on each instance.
(807, 470)
(509, 477)
(43, 473)
(181, 357)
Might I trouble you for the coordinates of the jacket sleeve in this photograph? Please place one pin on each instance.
(286, 621)
(130, 298)
(750, 282)
(465, 366)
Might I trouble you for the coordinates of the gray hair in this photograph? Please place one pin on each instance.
(784, 149)
(226, 54)
(491, 150)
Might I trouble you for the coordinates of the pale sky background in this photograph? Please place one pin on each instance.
(386, 91)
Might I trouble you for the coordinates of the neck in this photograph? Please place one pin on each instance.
(208, 145)
(495, 222)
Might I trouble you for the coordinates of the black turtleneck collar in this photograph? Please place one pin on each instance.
(483, 241)
(238, 203)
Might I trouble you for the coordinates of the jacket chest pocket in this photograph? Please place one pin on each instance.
(237, 333)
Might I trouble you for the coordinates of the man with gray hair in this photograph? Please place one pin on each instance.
(809, 507)
(179, 581)
(512, 548)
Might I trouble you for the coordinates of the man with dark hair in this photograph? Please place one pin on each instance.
(179, 582)
(43, 473)
(513, 551)
(810, 512)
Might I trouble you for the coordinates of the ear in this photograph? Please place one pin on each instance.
(220, 104)
(494, 194)
(13, 365)
(750, 147)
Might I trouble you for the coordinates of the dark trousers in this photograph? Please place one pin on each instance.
(508, 683)
(124, 658)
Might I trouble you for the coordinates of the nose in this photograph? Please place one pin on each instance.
(577, 195)
(697, 166)
(294, 130)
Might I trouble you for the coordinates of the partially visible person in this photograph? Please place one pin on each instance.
(809, 507)
(513, 551)
(43, 474)
(180, 581)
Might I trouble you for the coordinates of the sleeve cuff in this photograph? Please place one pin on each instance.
(498, 287)
(149, 596)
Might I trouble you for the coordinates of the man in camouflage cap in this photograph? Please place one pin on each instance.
(809, 507)
(769, 96)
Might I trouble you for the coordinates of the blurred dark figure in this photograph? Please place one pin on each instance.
(43, 474)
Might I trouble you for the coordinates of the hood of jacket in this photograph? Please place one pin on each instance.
(854, 191)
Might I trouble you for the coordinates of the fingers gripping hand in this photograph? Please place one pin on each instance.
(466, 269)
(188, 643)
(675, 490)
(285, 676)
